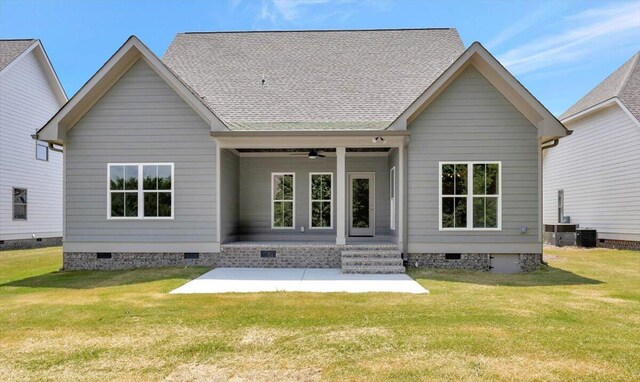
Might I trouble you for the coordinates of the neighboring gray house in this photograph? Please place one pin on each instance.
(593, 177)
(304, 149)
(30, 173)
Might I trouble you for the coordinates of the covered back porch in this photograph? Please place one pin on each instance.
(301, 199)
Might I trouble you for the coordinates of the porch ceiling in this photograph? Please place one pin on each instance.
(310, 140)
(326, 150)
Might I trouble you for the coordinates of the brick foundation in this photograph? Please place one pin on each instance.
(473, 261)
(619, 244)
(530, 262)
(130, 260)
(288, 255)
(231, 256)
(285, 256)
(31, 243)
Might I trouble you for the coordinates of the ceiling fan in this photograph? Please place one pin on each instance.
(313, 154)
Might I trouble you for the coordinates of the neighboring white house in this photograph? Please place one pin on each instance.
(30, 172)
(355, 149)
(592, 178)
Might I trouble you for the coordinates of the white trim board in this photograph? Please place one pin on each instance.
(47, 68)
(602, 105)
(117, 65)
(474, 248)
(326, 154)
(547, 124)
(143, 247)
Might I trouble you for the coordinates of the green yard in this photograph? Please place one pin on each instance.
(578, 319)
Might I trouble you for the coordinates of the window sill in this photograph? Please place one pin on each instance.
(143, 218)
(470, 229)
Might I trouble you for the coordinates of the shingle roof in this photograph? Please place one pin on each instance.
(312, 79)
(624, 84)
(11, 49)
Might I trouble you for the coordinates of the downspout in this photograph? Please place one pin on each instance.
(554, 144)
(52, 148)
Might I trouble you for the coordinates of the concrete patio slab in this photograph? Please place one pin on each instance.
(250, 280)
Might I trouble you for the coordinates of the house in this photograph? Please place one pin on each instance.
(304, 149)
(30, 171)
(593, 177)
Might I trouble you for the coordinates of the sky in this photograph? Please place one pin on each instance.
(558, 49)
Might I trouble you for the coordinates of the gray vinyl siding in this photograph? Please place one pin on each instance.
(472, 121)
(140, 119)
(598, 167)
(229, 194)
(255, 197)
(26, 103)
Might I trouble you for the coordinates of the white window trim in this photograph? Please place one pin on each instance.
(273, 174)
(392, 199)
(13, 205)
(140, 192)
(311, 200)
(470, 196)
(46, 146)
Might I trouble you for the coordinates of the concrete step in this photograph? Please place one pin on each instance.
(369, 269)
(371, 253)
(378, 261)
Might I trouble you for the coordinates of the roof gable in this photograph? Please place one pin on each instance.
(623, 83)
(121, 61)
(548, 125)
(313, 80)
(12, 51)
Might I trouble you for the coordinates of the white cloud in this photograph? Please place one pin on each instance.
(290, 9)
(295, 11)
(517, 28)
(585, 33)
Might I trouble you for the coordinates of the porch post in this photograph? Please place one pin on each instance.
(218, 190)
(340, 196)
(400, 195)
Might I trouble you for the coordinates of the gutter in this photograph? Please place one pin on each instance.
(555, 142)
(50, 145)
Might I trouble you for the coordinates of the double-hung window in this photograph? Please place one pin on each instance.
(19, 203)
(321, 200)
(140, 191)
(282, 200)
(470, 196)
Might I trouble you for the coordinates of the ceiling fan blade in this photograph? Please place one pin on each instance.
(321, 155)
(299, 154)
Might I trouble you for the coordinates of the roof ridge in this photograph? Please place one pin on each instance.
(608, 88)
(18, 39)
(627, 76)
(323, 30)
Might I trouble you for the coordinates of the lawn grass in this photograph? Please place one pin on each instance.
(578, 319)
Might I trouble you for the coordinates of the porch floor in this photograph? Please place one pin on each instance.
(250, 280)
